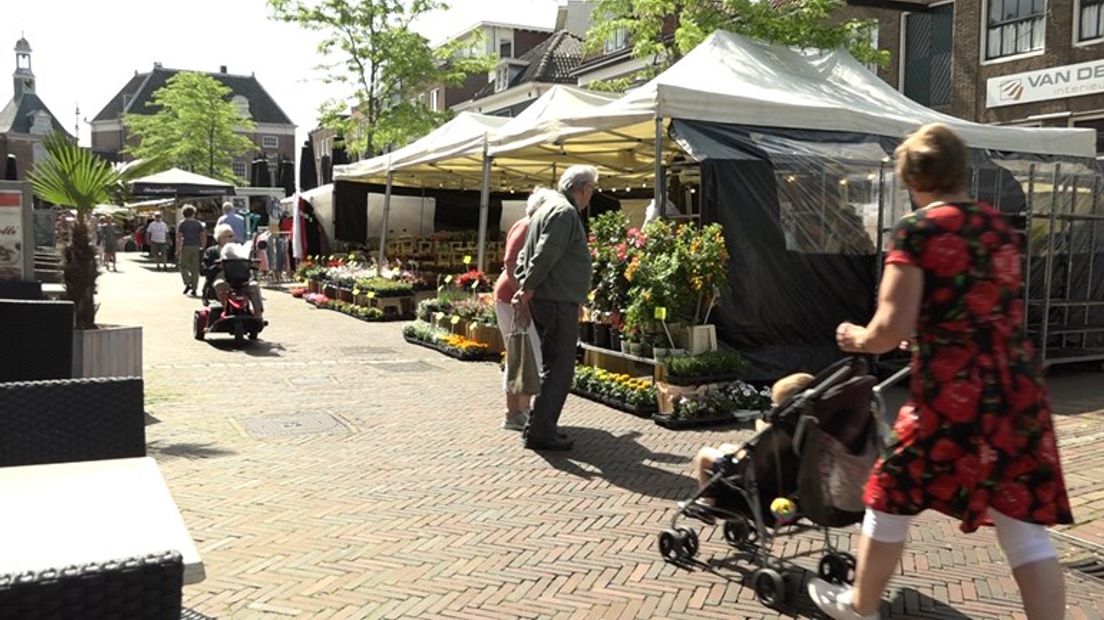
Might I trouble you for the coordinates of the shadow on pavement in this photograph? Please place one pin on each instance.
(252, 348)
(194, 451)
(621, 460)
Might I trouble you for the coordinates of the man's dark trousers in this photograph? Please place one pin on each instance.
(557, 324)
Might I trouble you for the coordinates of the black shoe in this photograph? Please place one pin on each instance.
(186, 289)
(558, 444)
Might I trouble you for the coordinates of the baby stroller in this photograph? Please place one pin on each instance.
(816, 453)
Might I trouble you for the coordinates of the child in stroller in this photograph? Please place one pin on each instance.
(809, 462)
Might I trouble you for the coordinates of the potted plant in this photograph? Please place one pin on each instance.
(74, 177)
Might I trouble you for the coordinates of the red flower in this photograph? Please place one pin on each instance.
(622, 252)
(982, 298)
(944, 487)
(916, 469)
(1046, 515)
(948, 362)
(927, 422)
(947, 255)
(947, 217)
(1023, 465)
(945, 450)
(991, 239)
(1013, 500)
(958, 400)
(1006, 265)
(1005, 438)
(968, 468)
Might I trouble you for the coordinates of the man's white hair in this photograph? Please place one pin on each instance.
(575, 177)
(537, 199)
(223, 229)
(227, 207)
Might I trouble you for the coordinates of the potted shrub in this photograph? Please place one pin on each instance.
(74, 177)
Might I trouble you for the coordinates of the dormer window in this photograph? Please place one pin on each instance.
(242, 105)
(617, 40)
(42, 124)
(502, 78)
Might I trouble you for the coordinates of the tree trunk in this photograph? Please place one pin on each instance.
(80, 276)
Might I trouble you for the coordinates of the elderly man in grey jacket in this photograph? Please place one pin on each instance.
(554, 273)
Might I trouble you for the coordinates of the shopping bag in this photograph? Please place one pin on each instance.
(522, 374)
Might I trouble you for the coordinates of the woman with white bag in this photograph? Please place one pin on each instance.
(517, 403)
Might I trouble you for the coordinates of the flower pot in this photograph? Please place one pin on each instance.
(698, 339)
(586, 332)
(602, 335)
(659, 353)
(645, 350)
(110, 351)
(636, 348)
(314, 286)
(615, 340)
(626, 347)
(345, 294)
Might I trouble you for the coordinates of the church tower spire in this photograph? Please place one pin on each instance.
(23, 78)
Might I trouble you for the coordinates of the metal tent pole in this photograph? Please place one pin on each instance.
(1048, 275)
(484, 210)
(384, 223)
(1029, 218)
(661, 204)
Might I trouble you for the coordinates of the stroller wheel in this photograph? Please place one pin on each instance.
(739, 532)
(670, 546)
(837, 568)
(689, 540)
(769, 587)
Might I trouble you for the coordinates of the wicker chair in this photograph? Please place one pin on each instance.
(38, 339)
(147, 587)
(71, 420)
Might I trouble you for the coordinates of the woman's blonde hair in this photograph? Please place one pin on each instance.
(788, 386)
(933, 159)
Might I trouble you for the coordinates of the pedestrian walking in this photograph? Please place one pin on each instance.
(158, 234)
(976, 439)
(234, 220)
(191, 238)
(554, 272)
(517, 405)
(109, 240)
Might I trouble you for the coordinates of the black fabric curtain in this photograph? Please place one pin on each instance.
(287, 177)
(260, 175)
(327, 170)
(308, 175)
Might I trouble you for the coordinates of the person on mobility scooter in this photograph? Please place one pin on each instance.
(228, 273)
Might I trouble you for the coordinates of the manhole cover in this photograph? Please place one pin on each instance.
(294, 424)
(310, 380)
(406, 367)
(367, 351)
(1093, 567)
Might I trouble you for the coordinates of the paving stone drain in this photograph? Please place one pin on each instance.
(1093, 567)
(292, 424)
(406, 367)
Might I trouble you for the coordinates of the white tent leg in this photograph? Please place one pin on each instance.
(385, 223)
(661, 204)
(484, 211)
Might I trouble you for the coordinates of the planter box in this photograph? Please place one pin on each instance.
(488, 335)
(673, 423)
(644, 412)
(667, 393)
(329, 290)
(314, 286)
(464, 357)
(344, 294)
(703, 380)
(697, 339)
(110, 351)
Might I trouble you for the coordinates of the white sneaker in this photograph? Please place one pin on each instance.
(835, 601)
(515, 421)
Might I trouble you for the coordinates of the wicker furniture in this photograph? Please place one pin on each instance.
(67, 514)
(146, 587)
(38, 340)
(71, 420)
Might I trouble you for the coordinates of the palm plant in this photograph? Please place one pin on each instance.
(76, 178)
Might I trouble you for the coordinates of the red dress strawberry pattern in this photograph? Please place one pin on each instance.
(977, 430)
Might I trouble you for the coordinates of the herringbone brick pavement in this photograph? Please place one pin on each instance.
(408, 501)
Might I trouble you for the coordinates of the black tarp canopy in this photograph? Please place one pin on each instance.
(178, 183)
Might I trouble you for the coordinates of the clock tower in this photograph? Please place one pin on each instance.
(23, 77)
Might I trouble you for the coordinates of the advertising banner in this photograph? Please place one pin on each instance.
(1086, 78)
(12, 246)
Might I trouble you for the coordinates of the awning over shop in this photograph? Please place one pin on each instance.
(179, 183)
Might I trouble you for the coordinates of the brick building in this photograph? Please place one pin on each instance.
(273, 135)
(1033, 63)
(25, 120)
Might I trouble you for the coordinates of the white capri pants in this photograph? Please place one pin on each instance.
(505, 313)
(1023, 543)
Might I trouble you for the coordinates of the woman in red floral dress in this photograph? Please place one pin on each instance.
(975, 441)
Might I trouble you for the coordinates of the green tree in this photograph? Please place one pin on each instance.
(797, 23)
(74, 177)
(196, 128)
(385, 65)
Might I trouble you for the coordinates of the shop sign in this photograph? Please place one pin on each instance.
(1086, 78)
(11, 235)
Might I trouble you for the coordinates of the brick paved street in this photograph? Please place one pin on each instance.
(381, 486)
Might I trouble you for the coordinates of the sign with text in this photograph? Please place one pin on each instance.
(12, 241)
(1086, 78)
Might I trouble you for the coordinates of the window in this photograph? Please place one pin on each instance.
(871, 34)
(1098, 125)
(1014, 27)
(242, 105)
(270, 142)
(505, 49)
(239, 168)
(502, 78)
(926, 67)
(435, 100)
(1091, 20)
(617, 40)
